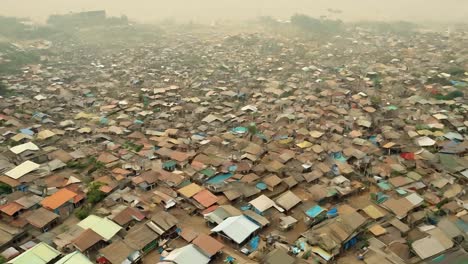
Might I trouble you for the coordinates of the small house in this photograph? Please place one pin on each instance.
(288, 200)
(164, 224)
(142, 238)
(315, 215)
(237, 229)
(208, 245)
(128, 217)
(43, 219)
(39, 254)
(262, 203)
(88, 241)
(61, 202)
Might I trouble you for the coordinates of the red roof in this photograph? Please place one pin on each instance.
(11, 208)
(205, 198)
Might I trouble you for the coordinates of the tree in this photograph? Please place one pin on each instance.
(95, 195)
(3, 89)
(82, 212)
(252, 129)
(314, 26)
(5, 189)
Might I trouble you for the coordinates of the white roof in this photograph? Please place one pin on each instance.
(427, 247)
(23, 147)
(40, 97)
(210, 118)
(425, 141)
(414, 199)
(238, 228)
(453, 135)
(22, 169)
(440, 116)
(187, 255)
(249, 107)
(465, 173)
(263, 203)
(102, 226)
(72, 180)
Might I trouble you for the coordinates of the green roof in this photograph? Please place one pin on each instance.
(102, 226)
(169, 164)
(208, 172)
(39, 254)
(74, 258)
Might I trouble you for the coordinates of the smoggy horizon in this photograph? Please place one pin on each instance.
(209, 10)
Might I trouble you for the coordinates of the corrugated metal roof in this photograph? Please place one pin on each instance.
(102, 226)
(39, 254)
(238, 228)
(74, 258)
(22, 169)
(187, 255)
(23, 147)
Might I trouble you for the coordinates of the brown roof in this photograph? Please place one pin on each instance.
(164, 220)
(274, 166)
(117, 252)
(150, 176)
(180, 156)
(272, 180)
(121, 171)
(253, 149)
(208, 244)
(128, 214)
(400, 207)
(105, 179)
(251, 177)
(107, 158)
(9, 181)
(55, 180)
(173, 179)
(139, 237)
(41, 217)
(188, 234)
(136, 135)
(164, 152)
(86, 239)
(61, 155)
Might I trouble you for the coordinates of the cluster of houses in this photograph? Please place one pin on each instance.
(122, 161)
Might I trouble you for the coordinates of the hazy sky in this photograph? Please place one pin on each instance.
(206, 10)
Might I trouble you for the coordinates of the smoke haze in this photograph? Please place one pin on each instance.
(208, 10)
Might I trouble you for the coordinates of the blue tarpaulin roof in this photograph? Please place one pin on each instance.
(384, 185)
(219, 178)
(103, 120)
(254, 243)
(339, 156)
(169, 164)
(261, 186)
(27, 131)
(232, 168)
(315, 211)
(239, 130)
(332, 212)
